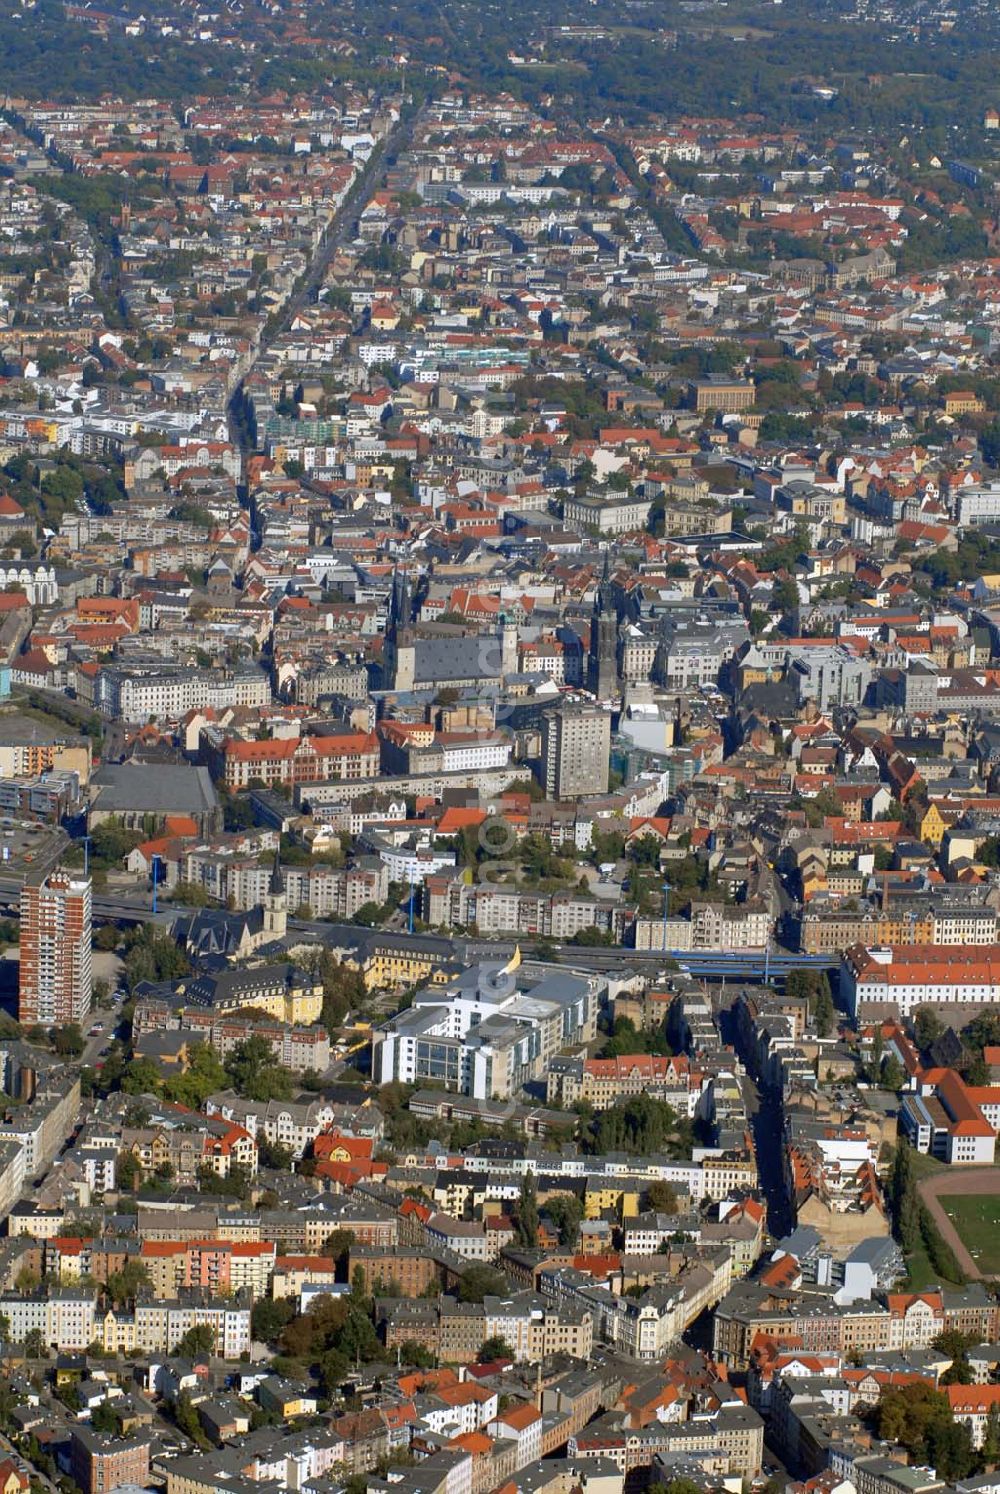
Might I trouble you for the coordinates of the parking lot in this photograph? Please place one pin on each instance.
(25, 845)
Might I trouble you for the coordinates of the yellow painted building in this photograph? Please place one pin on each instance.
(301, 1006)
(897, 928)
(387, 966)
(189, 1481)
(623, 1197)
(932, 827)
(723, 1174)
(117, 1333)
(759, 674)
(11, 1482)
(289, 1281)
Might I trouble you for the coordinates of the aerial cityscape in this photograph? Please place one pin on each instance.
(500, 747)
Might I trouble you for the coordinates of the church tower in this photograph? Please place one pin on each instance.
(275, 904)
(508, 646)
(398, 656)
(602, 659)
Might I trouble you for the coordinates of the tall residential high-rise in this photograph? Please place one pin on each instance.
(576, 751)
(56, 974)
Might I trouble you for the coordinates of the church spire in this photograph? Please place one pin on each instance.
(602, 656)
(400, 605)
(602, 600)
(275, 921)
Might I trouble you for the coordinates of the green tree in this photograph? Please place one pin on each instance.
(67, 1040)
(989, 443)
(565, 1210)
(113, 1070)
(642, 1126)
(892, 1076)
(235, 1185)
(959, 1372)
(190, 894)
(903, 1200)
(785, 597)
(187, 1419)
(268, 1316)
(358, 1339)
(153, 956)
(983, 1031)
(939, 1252)
(273, 1154)
(645, 851)
(203, 1076)
(142, 1077)
(954, 1343)
(368, 915)
(111, 842)
(825, 803)
(123, 1285)
(493, 1348)
(338, 1245)
(526, 1213)
(343, 990)
(950, 1450)
(237, 812)
(105, 1420)
(625, 1039)
(196, 1341)
(479, 1281)
(606, 846)
(414, 1354)
(253, 1072)
(823, 1012)
(662, 1197)
(333, 1369)
(927, 1026)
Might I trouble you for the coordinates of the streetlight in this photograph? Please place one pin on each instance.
(155, 870)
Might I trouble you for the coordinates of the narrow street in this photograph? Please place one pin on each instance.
(36, 1473)
(765, 1121)
(764, 1109)
(337, 234)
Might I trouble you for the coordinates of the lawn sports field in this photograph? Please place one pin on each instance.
(977, 1222)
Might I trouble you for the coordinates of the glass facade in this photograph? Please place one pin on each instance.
(438, 1060)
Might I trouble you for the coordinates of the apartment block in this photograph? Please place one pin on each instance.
(55, 974)
(576, 751)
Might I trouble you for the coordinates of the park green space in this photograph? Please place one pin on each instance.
(977, 1220)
